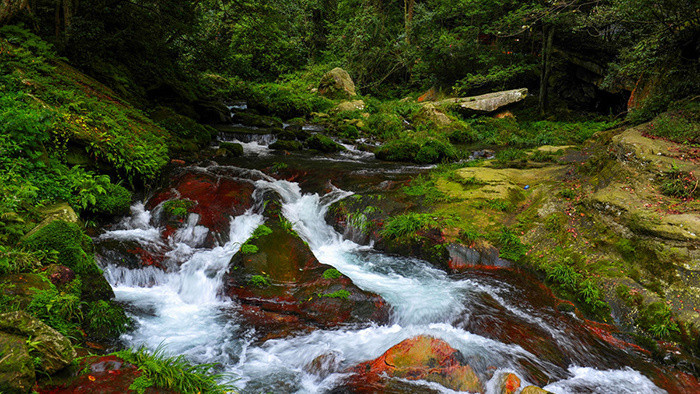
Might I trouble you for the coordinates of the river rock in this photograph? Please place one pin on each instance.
(283, 288)
(54, 349)
(59, 275)
(509, 384)
(215, 199)
(419, 358)
(324, 144)
(16, 367)
(337, 84)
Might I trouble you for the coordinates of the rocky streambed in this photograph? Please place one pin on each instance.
(239, 262)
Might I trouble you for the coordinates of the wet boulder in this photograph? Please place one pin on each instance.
(53, 349)
(59, 275)
(283, 288)
(213, 198)
(509, 383)
(324, 144)
(16, 366)
(419, 358)
(337, 84)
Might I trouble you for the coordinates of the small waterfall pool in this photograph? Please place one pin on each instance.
(179, 304)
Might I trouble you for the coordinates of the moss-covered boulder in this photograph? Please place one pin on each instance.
(419, 358)
(75, 251)
(324, 144)
(22, 287)
(337, 84)
(283, 288)
(232, 149)
(287, 145)
(16, 365)
(59, 211)
(53, 349)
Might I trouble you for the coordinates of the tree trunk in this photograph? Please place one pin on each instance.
(546, 67)
(408, 18)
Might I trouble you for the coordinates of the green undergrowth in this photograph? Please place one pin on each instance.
(331, 273)
(160, 371)
(248, 246)
(410, 225)
(58, 107)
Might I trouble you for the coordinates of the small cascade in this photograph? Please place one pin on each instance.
(181, 306)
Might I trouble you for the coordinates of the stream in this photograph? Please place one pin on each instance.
(500, 320)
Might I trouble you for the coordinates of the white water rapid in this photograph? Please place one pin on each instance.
(184, 310)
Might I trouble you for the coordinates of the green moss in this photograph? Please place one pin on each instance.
(287, 145)
(233, 149)
(331, 273)
(419, 150)
(178, 208)
(249, 249)
(342, 294)
(69, 242)
(116, 200)
(259, 281)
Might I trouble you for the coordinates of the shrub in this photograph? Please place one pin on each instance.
(60, 310)
(422, 151)
(511, 247)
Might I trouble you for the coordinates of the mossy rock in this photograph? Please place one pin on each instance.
(337, 84)
(182, 126)
(16, 366)
(22, 287)
(59, 211)
(54, 350)
(115, 201)
(232, 149)
(324, 144)
(75, 251)
(69, 241)
(287, 145)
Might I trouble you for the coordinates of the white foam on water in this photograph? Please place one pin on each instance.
(185, 311)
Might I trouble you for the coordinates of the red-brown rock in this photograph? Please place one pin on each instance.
(419, 358)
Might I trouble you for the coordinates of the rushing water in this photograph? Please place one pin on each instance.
(179, 303)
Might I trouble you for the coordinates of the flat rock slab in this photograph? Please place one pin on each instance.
(489, 102)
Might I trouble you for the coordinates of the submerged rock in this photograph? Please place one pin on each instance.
(420, 358)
